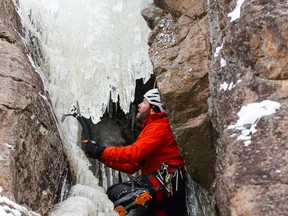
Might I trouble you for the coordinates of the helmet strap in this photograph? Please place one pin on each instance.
(155, 108)
(150, 110)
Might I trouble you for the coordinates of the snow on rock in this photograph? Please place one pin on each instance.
(249, 116)
(217, 50)
(10, 208)
(235, 14)
(223, 62)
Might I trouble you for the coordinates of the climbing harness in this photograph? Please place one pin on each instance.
(146, 190)
(168, 177)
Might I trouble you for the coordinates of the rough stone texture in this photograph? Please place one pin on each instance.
(179, 52)
(31, 152)
(251, 179)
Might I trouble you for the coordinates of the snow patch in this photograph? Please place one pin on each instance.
(223, 62)
(217, 50)
(43, 96)
(250, 115)
(8, 146)
(231, 86)
(31, 61)
(225, 86)
(43, 130)
(235, 14)
(9, 208)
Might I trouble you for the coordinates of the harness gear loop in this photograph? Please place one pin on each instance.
(165, 176)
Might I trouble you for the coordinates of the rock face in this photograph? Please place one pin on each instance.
(252, 174)
(31, 152)
(180, 51)
(236, 55)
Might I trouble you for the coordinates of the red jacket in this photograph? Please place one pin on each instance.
(154, 146)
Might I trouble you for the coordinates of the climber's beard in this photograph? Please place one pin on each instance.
(141, 116)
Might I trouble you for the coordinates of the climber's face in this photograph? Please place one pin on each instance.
(144, 109)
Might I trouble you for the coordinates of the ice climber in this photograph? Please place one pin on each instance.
(160, 187)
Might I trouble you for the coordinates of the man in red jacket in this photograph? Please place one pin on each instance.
(161, 185)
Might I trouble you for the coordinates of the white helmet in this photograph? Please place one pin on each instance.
(153, 97)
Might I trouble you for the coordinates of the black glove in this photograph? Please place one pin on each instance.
(93, 150)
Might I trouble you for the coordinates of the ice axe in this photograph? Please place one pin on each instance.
(83, 122)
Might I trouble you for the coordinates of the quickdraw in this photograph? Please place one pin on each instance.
(165, 176)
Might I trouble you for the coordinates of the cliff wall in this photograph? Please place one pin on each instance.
(224, 63)
(31, 152)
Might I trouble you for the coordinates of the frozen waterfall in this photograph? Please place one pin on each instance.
(92, 51)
